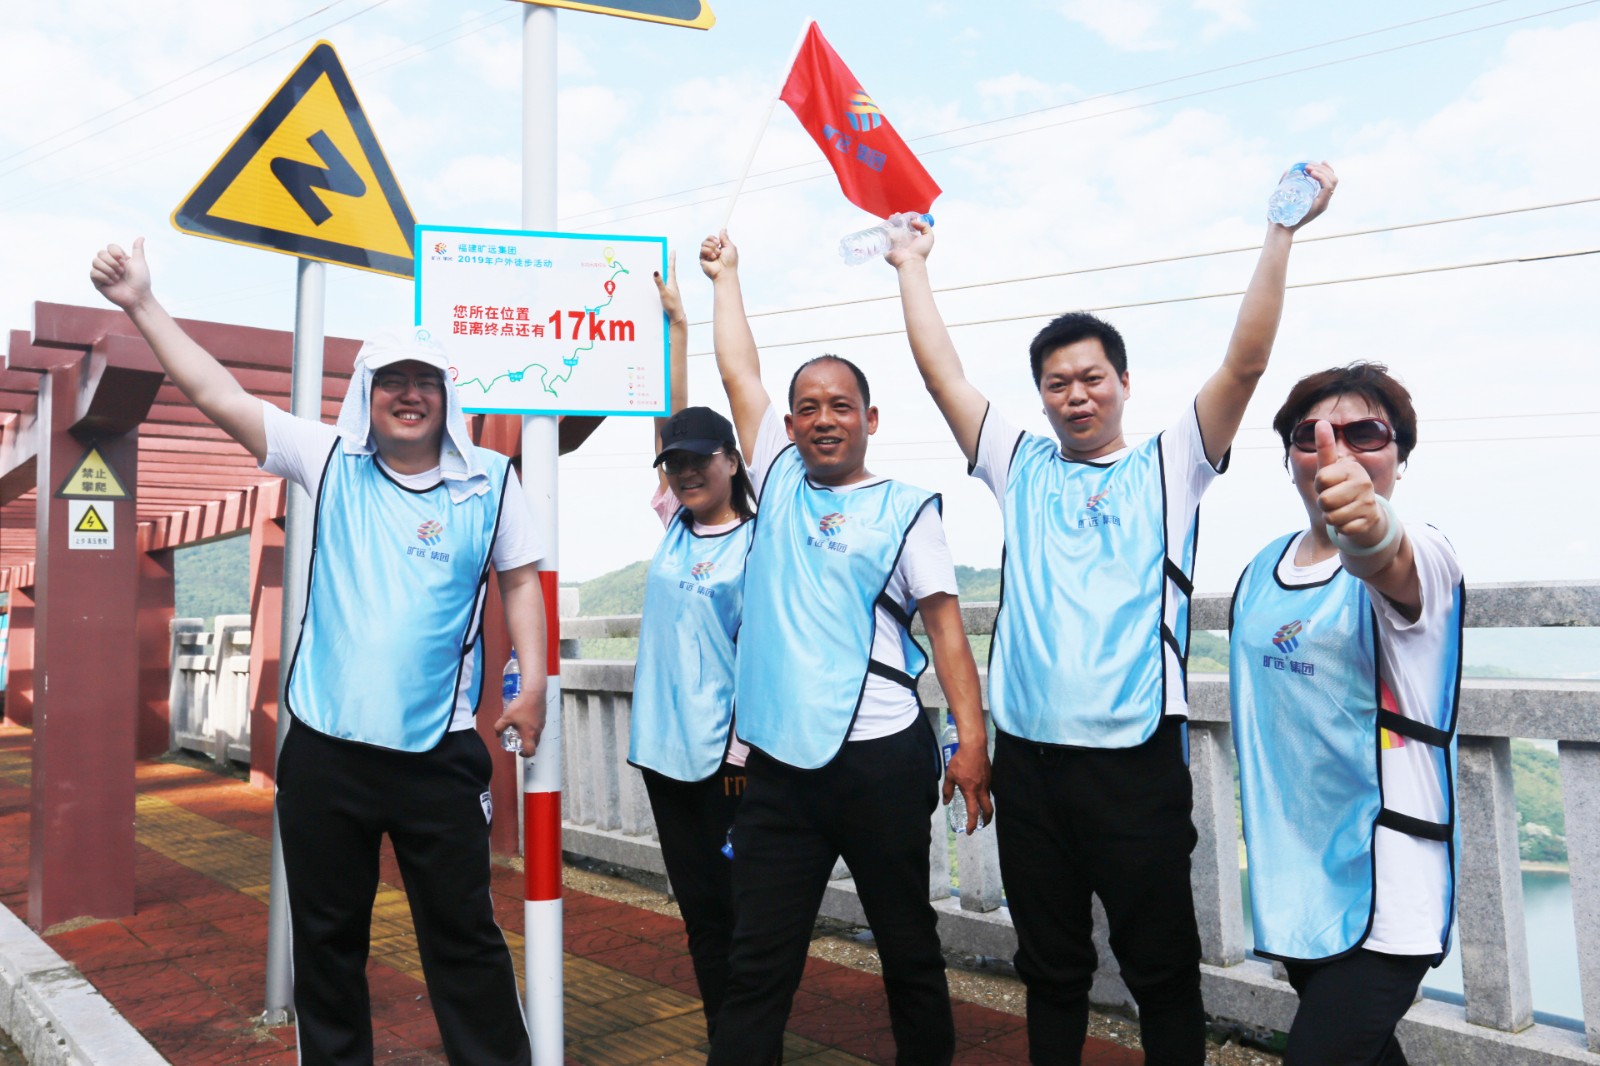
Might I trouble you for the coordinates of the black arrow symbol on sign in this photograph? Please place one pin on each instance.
(302, 179)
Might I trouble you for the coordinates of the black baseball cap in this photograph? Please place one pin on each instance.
(695, 429)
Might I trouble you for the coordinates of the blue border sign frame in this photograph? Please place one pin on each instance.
(421, 240)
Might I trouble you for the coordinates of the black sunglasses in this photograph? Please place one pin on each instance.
(1362, 435)
(681, 462)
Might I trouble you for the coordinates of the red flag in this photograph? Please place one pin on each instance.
(876, 170)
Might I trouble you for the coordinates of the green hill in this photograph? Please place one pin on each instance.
(213, 579)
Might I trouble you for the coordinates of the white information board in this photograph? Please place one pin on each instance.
(546, 323)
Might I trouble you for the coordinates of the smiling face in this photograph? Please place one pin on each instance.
(1382, 466)
(408, 410)
(702, 483)
(1083, 399)
(829, 423)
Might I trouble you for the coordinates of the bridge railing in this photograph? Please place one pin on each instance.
(607, 817)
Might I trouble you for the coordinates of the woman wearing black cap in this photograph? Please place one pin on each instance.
(682, 728)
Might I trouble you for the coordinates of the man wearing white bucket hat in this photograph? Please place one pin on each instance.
(383, 685)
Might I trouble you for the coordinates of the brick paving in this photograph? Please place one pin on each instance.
(188, 967)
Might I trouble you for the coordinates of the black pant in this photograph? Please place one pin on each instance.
(692, 823)
(336, 799)
(1073, 823)
(872, 805)
(1349, 1008)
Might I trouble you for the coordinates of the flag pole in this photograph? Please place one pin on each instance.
(766, 120)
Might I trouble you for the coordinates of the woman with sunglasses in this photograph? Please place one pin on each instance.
(682, 728)
(1345, 671)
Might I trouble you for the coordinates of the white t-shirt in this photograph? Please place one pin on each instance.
(1187, 474)
(297, 449)
(666, 505)
(1412, 872)
(924, 569)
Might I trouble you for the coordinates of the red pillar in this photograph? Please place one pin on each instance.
(19, 659)
(266, 636)
(86, 662)
(156, 592)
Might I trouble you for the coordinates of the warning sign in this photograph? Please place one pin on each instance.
(308, 178)
(89, 525)
(93, 479)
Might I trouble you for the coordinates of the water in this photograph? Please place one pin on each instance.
(1552, 947)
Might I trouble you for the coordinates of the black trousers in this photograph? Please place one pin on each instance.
(336, 800)
(692, 823)
(1073, 823)
(872, 805)
(1349, 1008)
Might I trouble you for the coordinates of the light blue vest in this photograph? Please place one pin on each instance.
(1077, 654)
(683, 681)
(394, 606)
(1307, 716)
(819, 563)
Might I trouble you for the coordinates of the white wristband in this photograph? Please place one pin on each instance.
(1354, 551)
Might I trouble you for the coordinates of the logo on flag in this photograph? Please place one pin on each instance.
(1287, 638)
(876, 171)
(862, 112)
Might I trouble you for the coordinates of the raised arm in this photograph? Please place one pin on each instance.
(677, 350)
(1221, 402)
(737, 358)
(962, 405)
(124, 279)
(958, 676)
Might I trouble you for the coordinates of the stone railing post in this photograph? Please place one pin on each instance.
(1494, 942)
(1580, 790)
(1214, 875)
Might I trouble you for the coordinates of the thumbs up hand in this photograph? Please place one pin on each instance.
(1350, 506)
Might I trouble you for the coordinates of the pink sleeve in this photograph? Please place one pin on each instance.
(664, 504)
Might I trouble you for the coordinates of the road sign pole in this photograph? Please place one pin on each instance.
(305, 401)
(541, 775)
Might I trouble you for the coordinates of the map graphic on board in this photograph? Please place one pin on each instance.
(546, 323)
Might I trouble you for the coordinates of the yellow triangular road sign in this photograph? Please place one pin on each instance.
(92, 479)
(90, 522)
(307, 177)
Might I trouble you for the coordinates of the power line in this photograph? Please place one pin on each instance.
(170, 82)
(1124, 110)
(1070, 103)
(1191, 299)
(196, 88)
(1174, 258)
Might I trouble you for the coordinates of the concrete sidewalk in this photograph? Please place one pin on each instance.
(182, 978)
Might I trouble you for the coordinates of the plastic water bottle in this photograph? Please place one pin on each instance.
(950, 743)
(1293, 197)
(510, 689)
(894, 231)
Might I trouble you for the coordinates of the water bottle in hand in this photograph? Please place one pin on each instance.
(949, 743)
(1293, 197)
(510, 689)
(874, 243)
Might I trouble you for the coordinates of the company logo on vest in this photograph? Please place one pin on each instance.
(430, 533)
(830, 524)
(1094, 513)
(1286, 640)
(701, 569)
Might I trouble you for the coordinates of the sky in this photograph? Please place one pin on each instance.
(1069, 136)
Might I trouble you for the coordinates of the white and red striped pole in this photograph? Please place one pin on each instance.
(541, 775)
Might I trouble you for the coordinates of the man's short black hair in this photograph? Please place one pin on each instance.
(1071, 328)
(861, 379)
